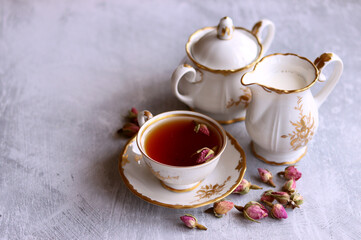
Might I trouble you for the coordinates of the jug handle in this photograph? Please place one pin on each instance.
(187, 72)
(258, 30)
(321, 62)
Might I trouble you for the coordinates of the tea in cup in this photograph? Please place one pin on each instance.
(181, 148)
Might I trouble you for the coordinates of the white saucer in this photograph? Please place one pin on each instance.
(219, 184)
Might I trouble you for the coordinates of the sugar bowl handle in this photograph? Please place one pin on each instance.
(258, 30)
(144, 116)
(321, 62)
(185, 72)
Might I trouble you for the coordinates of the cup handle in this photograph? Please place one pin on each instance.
(188, 73)
(258, 29)
(144, 116)
(321, 62)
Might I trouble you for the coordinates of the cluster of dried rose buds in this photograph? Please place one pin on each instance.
(130, 128)
(289, 197)
(255, 211)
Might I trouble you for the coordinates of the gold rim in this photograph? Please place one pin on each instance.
(317, 73)
(223, 71)
(276, 163)
(179, 206)
(179, 190)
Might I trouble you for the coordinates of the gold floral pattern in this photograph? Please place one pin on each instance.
(239, 166)
(125, 159)
(125, 156)
(208, 191)
(137, 158)
(304, 128)
(245, 99)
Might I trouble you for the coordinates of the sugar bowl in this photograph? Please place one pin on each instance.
(217, 57)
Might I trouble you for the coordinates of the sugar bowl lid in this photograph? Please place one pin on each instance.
(224, 48)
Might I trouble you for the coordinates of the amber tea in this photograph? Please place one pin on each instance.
(174, 141)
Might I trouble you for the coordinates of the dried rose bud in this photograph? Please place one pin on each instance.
(132, 115)
(201, 127)
(281, 197)
(129, 129)
(253, 211)
(266, 176)
(267, 197)
(222, 207)
(291, 172)
(290, 185)
(204, 155)
(296, 199)
(244, 187)
(191, 222)
(278, 211)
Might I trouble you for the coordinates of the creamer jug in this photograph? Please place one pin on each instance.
(282, 117)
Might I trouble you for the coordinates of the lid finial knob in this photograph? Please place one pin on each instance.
(225, 28)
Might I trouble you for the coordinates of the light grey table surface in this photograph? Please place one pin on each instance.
(69, 72)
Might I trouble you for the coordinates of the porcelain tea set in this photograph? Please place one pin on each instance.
(225, 79)
(282, 113)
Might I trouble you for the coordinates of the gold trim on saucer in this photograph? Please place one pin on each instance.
(232, 141)
(275, 163)
(180, 190)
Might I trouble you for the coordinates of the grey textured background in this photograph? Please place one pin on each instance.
(69, 71)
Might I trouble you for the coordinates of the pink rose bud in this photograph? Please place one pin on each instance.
(191, 222)
(253, 211)
(281, 197)
(278, 211)
(204, 155)
(132, 115)
(266, 176)
(291, 172)
(267, 197)
(244, 187)
(201, 127)
(296, 199)
(129, 129)
(222, 207)
(290, 185)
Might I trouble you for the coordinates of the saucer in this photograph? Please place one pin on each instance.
(219, 184)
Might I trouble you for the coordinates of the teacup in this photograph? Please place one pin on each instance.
(173, 177)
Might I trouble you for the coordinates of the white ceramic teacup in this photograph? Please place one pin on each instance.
(178, 178)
